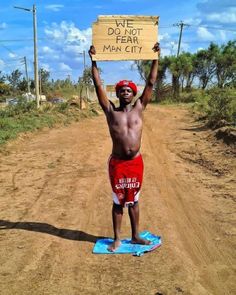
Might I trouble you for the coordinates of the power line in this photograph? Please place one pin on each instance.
(30, 39)
(8, 49)
(214, 28)
(25, 39)
(202, 26)
(13, 59)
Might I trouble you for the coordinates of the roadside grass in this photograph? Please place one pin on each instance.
(216, 106)
(25, 117)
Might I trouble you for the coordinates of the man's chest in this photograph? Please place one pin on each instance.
(120, 120)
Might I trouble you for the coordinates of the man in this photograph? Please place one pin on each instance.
(125, 163)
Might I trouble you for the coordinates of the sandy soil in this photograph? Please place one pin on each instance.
(55, 202)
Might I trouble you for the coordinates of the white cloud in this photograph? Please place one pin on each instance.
(209, 6)
(54, 32)
(12, 55)
(200, 48)
(46, 49)
(54, 7)
(218, 11)
(226, 17)
(164, 37)
(126, 65)
(45, 66)
(69, 37)
(47, 53)
(185, 46)
(64, 67)
(193, 21)
(167, 52)
(75, 49)
(3, 26)
(204, 34)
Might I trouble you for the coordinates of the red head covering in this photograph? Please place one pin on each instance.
(126, 83)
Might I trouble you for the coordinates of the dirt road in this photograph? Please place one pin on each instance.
(55, 202)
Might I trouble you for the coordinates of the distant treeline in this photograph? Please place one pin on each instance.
(211, 67)
(206, 78)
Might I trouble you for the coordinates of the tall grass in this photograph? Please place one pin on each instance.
(25, 117)
(217, 105)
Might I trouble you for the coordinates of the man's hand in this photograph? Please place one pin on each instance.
(91, 51)
(156, 48)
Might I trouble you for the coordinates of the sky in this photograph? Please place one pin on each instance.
(64, 30)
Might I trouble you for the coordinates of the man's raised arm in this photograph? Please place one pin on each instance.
(102, 97)
(147, 92)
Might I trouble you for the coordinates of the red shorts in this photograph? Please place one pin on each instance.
(126, 178)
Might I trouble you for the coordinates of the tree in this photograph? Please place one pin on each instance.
(2, 77)
(175, 69)
(44, 79)
(226, 64)
(143, 67)
(23, 85)
(87, 76)
(161, 89)
(206, 64)
(4, 89)
(14, 78)
(187, 70)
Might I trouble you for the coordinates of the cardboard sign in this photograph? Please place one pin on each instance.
(125, 37)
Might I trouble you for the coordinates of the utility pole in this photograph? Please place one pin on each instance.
(40, 82)
(36, 77)
(181, 25)
(26, 75)
(84, 59)
(86, 86)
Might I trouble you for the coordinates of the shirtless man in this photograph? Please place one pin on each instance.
(125, 163)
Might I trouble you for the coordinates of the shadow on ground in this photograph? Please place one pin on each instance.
(46, 228)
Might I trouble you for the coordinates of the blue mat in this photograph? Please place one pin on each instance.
(127, 247)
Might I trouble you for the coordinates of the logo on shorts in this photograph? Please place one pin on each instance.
(127, 183)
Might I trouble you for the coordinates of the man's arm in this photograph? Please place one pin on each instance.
(147, 92)
(102, 97)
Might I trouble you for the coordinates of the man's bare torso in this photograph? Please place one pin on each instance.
(125, 127)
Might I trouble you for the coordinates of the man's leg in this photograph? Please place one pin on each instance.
(117, 213)
(134, 220)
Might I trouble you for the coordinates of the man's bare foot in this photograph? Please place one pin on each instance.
(140, 241)
(114, 246)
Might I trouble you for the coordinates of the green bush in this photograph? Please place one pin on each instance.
(217, 105)
(20, 108)
(201, 99)
(197, 96)
(62, 107)
(221, 106)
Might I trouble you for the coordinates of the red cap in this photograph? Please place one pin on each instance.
(126, 83)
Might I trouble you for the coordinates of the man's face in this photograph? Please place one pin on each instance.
(125, 94)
